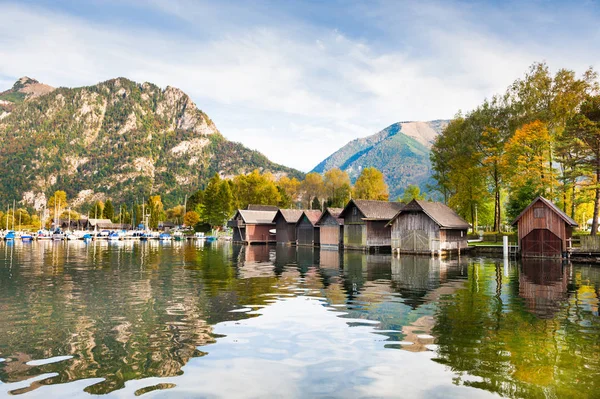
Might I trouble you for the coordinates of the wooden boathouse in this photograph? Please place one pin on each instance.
(365, 224)
(424, 227)
(543, 230)
(285, 225)
(307, 231)
(331, 229)
(253, 227)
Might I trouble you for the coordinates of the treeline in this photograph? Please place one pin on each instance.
(540, 137)
(221, 197)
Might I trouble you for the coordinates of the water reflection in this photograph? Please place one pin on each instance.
(164, 314)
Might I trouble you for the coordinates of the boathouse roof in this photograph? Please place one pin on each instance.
(441, 214)
(312, 215)
(374, 210)
(256, 217)
(550, 205)
(334, 212)
(289, 215)
(255, 207)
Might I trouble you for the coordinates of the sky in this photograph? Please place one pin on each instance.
(298, 80)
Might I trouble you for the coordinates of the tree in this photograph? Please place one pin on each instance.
(97, 210)
(218, 202)
(109, 210)
(337, 187)
(370, 185)
(412, 192)
(254, 188)
(155, 208)
(585, 128)
(311, 187)
(194, 200)
(527, 158)
(176, 214)
(59, 199)
(191, 218)
(290, 188)
(316, 204)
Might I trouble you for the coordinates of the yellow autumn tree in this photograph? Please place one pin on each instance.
(527, 161)
(370, 185)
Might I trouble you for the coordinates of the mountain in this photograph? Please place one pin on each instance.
(400, 152)
(117, 139)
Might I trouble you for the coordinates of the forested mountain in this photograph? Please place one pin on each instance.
(400, 151)
(117, 139)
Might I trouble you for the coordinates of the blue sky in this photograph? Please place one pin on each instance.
(297, 80)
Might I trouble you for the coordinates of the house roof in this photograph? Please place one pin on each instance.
(334, 212)
(441, 214)
(255, 207)
(550, 205)
(375, 210)
(256, 217)
(313, 216)
(289, 215)
(94, 222)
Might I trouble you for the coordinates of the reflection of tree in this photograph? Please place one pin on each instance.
(123, 312)
(516, 353)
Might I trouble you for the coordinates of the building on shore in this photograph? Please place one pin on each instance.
(543, 230)
(365, 224)
(253, 227)
(285, 225)
(424, 227)
(307, 231)
(331, 229)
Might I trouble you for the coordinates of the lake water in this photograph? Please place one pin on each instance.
(183, 320)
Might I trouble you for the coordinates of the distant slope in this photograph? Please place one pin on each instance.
(117, 139)
(400, 151)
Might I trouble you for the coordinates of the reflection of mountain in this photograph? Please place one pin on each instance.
(543, 285)
(123, 312)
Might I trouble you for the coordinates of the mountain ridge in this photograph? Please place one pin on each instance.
(400, 152)
(116, 139)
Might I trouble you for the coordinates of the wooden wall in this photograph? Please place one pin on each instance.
(378, 234)
(550, 220)
(285, 232)
(306, 233)
(415, 232)
(259, 233)
(331, 236)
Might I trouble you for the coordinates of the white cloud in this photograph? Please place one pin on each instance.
(293, 89)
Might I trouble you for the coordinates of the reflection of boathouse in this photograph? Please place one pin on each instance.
(543, 286)
(426, 227)
(543, 230)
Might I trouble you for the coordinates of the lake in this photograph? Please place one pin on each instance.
(183, 320)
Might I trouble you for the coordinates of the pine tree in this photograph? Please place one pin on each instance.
(109, 210)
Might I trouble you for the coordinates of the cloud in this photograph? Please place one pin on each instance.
(275, 79)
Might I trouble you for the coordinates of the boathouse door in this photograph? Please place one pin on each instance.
(541, 243)
(414, 241)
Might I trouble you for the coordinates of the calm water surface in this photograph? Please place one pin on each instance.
(182, 320)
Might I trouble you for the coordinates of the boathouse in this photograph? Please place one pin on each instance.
(423, 227)
(365, 224)
(307, 231)
(253, 227)
(543, 230)
(331, 228)
(285, 225)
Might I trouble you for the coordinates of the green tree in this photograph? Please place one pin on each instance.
(412, 192)
(370, 185)
(254, 188)
(316, 204)
(97, 211)
(109, 210)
